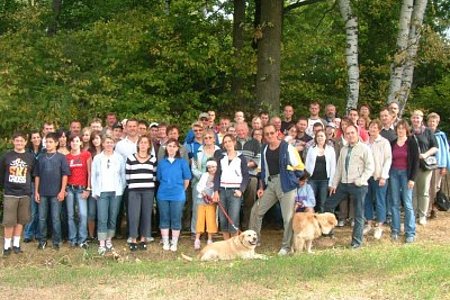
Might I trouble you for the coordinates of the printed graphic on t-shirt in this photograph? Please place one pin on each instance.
(75, 162)
(18, 171)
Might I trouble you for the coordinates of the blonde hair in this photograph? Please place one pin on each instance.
(417, 112)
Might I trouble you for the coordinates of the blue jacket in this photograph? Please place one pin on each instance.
(171, 177)
(443, 154)
(291, 167)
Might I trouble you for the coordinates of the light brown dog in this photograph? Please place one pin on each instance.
(241, 246)
(309, 226)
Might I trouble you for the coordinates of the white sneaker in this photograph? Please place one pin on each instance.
(129, 240)
(166, 246)
(423, 220)
(197, 245)
(367, 229)
(209, 242)
(378, 233)
(174, 247)
(341, 223)
(283, 252)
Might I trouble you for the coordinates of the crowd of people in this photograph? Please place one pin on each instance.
(79, 184)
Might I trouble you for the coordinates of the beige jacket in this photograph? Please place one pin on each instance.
(382, 154)
(360, 169)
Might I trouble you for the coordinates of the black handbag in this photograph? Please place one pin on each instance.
(429, 163)
(441, 201)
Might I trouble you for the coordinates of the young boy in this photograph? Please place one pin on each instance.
(15, 177)
(304, 198)
(50, 185)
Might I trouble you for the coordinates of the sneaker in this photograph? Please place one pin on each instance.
(378, 233)
(341, 223)
(283, 252)
(17, 250)
(133, 247)
(166, 246)
(101, 250)
(422, 220)
(42, 245)
(197, 245)
(109, 245)
(356, 246)
(27, 240)
(73, 245)
(209, 242)
(352, 223)
(143, 245)
(7, 252)
(367, 229)
(129, 240)
(394, 237)
(150, 239)
(410, 239)
(56, 247)
(84, 245)
(174, 247)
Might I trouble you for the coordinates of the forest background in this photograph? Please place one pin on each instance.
(169, 60)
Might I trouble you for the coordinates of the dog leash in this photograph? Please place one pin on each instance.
(227, 216)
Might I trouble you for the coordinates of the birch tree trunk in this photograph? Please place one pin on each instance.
(269, 54)
(351, 52)
(401, 54)
(415, 34)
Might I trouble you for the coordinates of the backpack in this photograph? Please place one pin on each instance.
(442, 201)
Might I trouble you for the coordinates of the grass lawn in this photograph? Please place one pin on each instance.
(380, 270)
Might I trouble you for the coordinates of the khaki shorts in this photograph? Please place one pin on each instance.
(16, 210)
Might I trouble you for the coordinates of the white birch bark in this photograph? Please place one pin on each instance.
(401, 54)
(415, 33)
(351, 52)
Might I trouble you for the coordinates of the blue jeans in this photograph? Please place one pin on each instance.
(320, 188)
(170, 214)
(31, 230)
(357, 194)
(108, 205)
(73, 198)
(55, 211)
(232, 206)
(376, 195)
(92, 208)
(398, 186)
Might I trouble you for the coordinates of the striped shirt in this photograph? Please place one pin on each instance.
(140, 175)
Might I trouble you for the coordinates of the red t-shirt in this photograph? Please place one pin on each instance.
(78, 168)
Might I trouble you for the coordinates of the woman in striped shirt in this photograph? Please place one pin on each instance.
(140, 173)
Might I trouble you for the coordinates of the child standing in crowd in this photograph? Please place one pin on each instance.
(206, 211)
(51, 174)
(15, 177)
(304, 197)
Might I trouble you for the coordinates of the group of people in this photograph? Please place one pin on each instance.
(224, 176)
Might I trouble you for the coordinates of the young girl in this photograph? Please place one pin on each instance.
(206, 212)
(304, 198)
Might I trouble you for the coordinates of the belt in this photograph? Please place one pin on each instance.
(271, 177)
(75, 187)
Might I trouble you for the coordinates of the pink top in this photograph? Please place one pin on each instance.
(400, 157)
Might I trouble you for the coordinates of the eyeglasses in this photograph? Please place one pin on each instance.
(269, 133)
(208, 137)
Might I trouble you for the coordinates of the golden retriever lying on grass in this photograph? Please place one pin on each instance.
(308, 226)
(241, 246)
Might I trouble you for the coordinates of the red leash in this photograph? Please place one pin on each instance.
(227, 216)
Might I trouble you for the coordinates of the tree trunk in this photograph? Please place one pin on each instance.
(401, 54)
(269, 55)
(238, 44)
(413, 45)
(351, 52)
(56, 6)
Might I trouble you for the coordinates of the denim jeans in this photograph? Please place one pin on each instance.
(140, 209)
(108, 205)
(398, 186)
(55, 212)
(376, 196)
(170, 213)
(31, 230)
(232, 206)
(358, 194)
(92, 208)
(320, 188)
(73, 199)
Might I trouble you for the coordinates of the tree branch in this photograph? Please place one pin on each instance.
(299, 4)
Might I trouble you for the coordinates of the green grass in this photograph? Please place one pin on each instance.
(412, 272)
